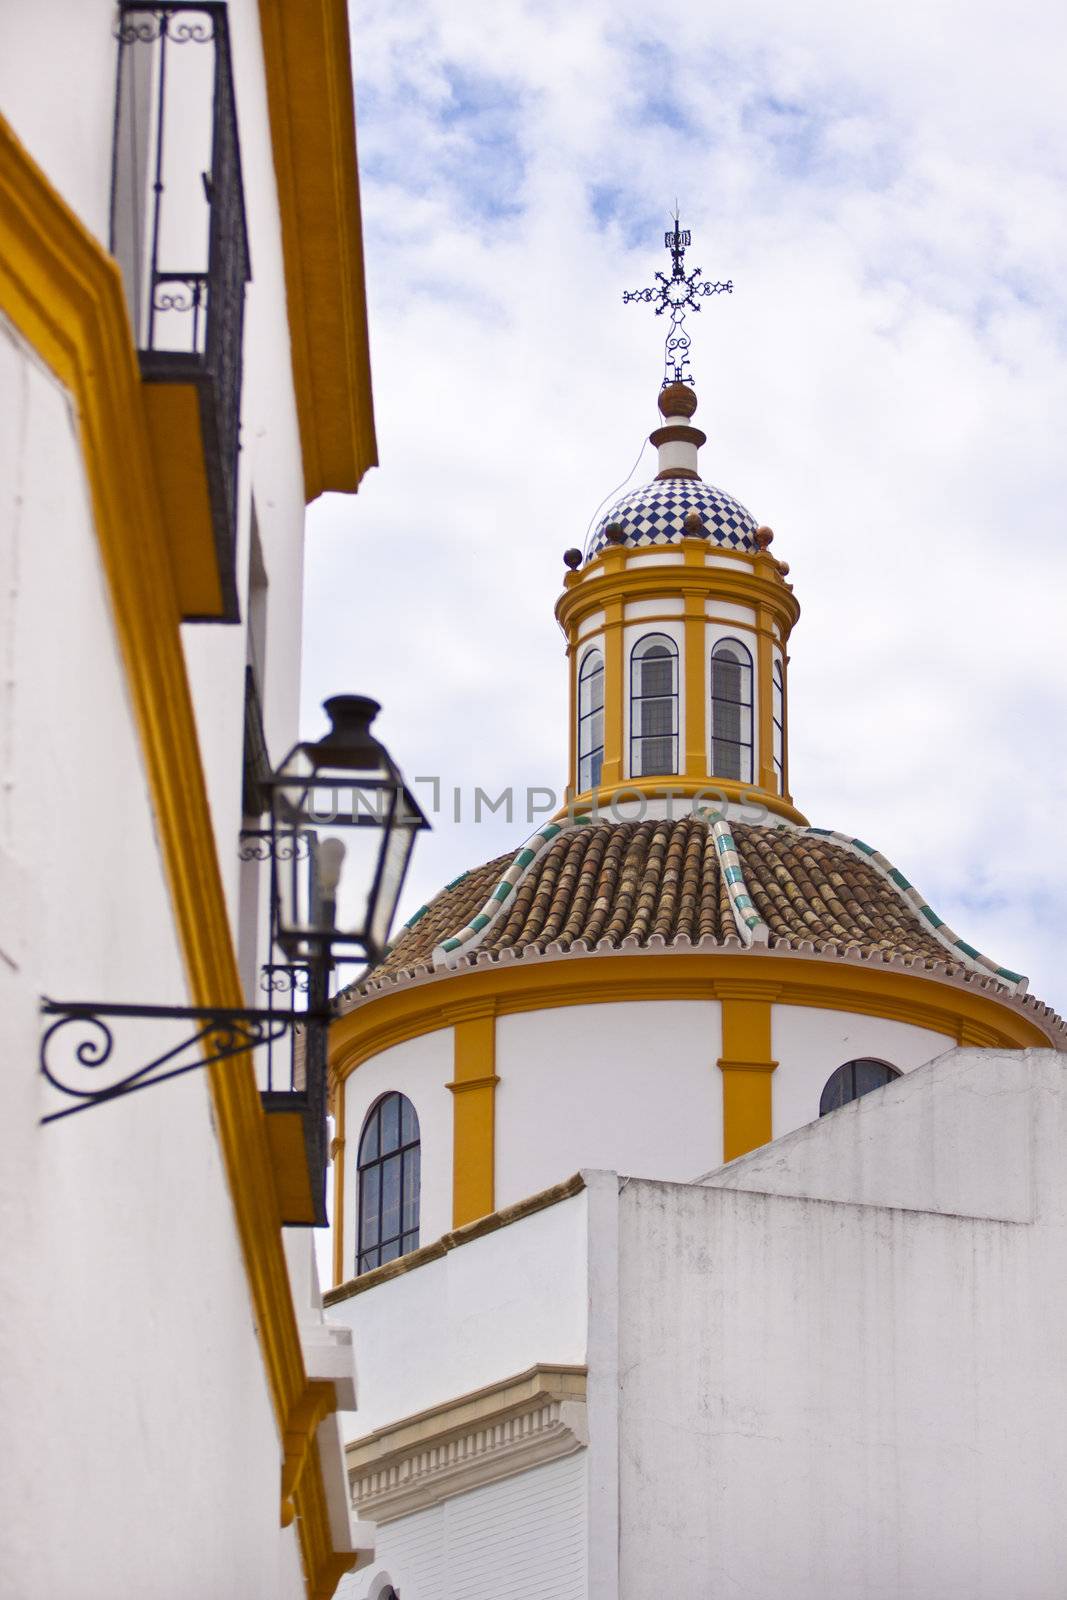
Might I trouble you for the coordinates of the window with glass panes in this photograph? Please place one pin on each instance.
(388, 1182)
(778, 714)
(590, 721)
(654, 706)
(853, 1079)
(731, 711)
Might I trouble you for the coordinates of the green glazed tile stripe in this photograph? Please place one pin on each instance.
(506, 885)
(750, 925)
(948, 936)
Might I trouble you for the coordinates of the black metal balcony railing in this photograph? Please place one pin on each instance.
(178, 228)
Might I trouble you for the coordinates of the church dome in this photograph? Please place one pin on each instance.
(655, 515)
(690, 883)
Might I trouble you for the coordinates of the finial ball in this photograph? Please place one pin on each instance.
(615, 533)
(677, 400)
(572, 559)
(764, 536)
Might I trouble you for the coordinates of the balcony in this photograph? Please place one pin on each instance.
(178, 233)
(292, 1082)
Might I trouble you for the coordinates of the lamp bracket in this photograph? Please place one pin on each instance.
(218, 1034)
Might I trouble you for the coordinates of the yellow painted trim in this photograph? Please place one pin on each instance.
(675, 616)
(339, 1218)
(753, 581)
(613, 765)
(473, 1115)
(307, 61)
(924, 1000)
(695, 757)
(317, 1400)
(172, 412)
(765, 700)
(746, 1065)
(63, 293)
(572, 720)
(786, 790)
(707, 791)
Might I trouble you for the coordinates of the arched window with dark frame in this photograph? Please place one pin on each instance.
(590, 720)
(389, 1180)
(731, 711)
(778, 714)
(653, 706)
(853, 1079)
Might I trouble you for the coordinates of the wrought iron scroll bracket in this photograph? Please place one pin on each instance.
(218, 1034)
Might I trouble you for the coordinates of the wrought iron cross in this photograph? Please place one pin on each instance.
(679, 293)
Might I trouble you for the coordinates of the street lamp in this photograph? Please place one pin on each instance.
(342, 829)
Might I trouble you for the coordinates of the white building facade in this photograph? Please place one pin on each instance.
(171, 1388)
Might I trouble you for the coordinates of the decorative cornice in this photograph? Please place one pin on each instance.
(307, 55)
(633, 573)
(678, 433)
(508, 1427)
(946, 998)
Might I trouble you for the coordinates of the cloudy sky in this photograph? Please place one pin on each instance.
(886, 387)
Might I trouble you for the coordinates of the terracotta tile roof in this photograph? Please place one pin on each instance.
(446, 912)
(813, 889)
(611, 880)
(630, 880)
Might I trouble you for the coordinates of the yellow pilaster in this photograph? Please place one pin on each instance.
(746, 1065)
(572, 719)
(785, 724)
(473, 1114)
(695, 760)
(337, 1153)
(765, 777)
(613, 769)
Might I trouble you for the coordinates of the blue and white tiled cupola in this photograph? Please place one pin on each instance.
(655, 514)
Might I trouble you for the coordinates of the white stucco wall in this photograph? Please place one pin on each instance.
(810, 1043)
(633, 1086)
(629, 1086)
(846, 1377)
(419, 1068)
(483, 1312)
(142, 1455)
(128, 1329)
(67, 42)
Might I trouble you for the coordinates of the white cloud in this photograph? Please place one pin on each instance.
(886, 387)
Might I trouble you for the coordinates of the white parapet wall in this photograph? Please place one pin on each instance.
(841, 1356)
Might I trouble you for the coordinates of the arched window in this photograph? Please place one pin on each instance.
(731, 711)
(853, 1079)
(590, 721)
(778, 713)
(654, 706)
(388, 1182)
